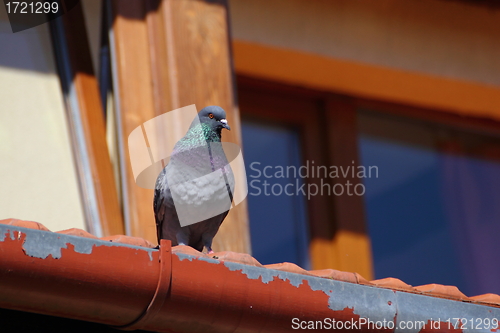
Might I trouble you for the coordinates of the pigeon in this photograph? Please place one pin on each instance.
(196, 186)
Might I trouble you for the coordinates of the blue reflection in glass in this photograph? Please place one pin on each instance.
(278, 222)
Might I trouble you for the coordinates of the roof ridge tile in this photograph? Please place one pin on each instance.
(24, 224)
(288, 267)
(335, 275)
(393, 283)
(137, 241)
(442, 290)
(77, 232)
(242, 258)
(487, 298)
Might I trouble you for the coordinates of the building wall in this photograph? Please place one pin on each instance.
(37, 172)
(445, 38)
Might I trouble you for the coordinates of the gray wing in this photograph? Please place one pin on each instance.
(167, 222)
(158, 204)
(203, 233)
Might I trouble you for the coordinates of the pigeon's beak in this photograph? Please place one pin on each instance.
(224, 124)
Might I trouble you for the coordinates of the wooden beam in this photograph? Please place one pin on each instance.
(172, 54)
(199, 72)
(351, 242)
(73, 50)
(134, 96)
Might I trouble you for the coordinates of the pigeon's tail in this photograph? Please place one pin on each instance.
(158, 231)
(159, 206)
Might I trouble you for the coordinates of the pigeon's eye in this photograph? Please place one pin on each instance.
(210, 115)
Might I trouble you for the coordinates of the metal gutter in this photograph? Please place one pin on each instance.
(75, 277)
(134, 287)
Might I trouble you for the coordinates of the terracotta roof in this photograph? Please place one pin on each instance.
(141, 280)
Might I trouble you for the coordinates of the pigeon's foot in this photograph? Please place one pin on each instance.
(210, 252)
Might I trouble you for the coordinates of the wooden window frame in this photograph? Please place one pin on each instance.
(338, 227)
(367, 81)
(468, 105)
(326, 123)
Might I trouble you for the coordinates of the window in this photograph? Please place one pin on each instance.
(290, 127)
(433, 211)
(430, 212)
(278, 222)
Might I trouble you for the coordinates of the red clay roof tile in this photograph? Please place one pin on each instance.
(362, 280)
(392, 283)
(77, 232)
(137, 241)
(188, 250)
(24, 224)
(487, 298)
(335, 275)
(242, 258)
(288, 267)
(443, 291)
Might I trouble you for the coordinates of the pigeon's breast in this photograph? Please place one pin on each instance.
(201, 182)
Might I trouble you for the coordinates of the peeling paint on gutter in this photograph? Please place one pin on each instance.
(367, 302)
(372, 303)
(42, 244)
(184, 256)
(4, 234)
(266, 275)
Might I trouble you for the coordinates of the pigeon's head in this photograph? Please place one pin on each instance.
(215, 117)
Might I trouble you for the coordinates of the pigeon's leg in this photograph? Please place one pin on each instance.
(207, 242)
(182, 236)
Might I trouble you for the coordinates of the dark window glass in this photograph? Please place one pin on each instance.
(278, 223)
(434, 210)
